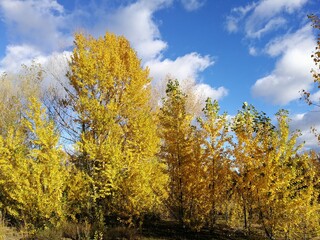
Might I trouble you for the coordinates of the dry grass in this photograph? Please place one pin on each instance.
(7, 233)
(162, 230)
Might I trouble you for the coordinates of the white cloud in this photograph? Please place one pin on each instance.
(236, 16)
(265, 16)
(302, 38)
(55, 65)
(38, 23)
(185, 67)
(292, 70)
(203, 91)
(38, 29)
(35, 30)
(20, 54)
(268, 8)
(261, 17)
(315, 97)
(192, 5)
(273, 24)
(232, 24)
(304, 122)
(186, 70)
(253, 51)
(135, 22)
(17, 55)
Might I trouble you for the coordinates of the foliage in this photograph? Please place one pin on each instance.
(117, 140)
(272, 180)
(127, 163)
(176, 133)
(217, 175)
(32, 174)
(197, 160)
(15, 91)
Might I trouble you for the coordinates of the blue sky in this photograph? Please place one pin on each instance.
(231, 50)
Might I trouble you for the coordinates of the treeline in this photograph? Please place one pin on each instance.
(102, 154)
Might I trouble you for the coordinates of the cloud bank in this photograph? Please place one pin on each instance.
(305, 122)
(39, 30)
(261, 22)
(259, 18)
(292, 69)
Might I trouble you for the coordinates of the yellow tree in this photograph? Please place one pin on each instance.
(177, 136)
(195, 175)
(218, 165)
(309, 214)
(276, 188)
(287, 199)
(304, 209)
(250, 128)
(33, 170)
(48, 164)
(117, 139)
(276, 152)
(14, 175)
(15, 89)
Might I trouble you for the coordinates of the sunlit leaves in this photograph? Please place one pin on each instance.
(117, 132)
(33, 170)
(272, 185)
(127, 161)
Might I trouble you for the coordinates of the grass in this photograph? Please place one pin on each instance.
(7, 233)
(160, 230)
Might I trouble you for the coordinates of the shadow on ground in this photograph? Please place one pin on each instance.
(170, 230)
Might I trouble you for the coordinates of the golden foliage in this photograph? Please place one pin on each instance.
(32, 170)
(128, 162)
(117, 138)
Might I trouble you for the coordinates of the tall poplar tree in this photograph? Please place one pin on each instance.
(287, 197)
(15, 89)
(32, 175)
(117, 140)
(250, 128)
(274, 185)
(216, 153)
(176, 133)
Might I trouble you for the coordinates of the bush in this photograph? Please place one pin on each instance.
(73, 231)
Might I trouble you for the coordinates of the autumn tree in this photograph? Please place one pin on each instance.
(274, 186)
(178, 151)
(117, 140)
(303, 209)
(32, 173)
(287, 199)
(277, 153)
(15, 89)
(216, 153)
(250, 128)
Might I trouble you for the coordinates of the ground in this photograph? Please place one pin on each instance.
(164, 230)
